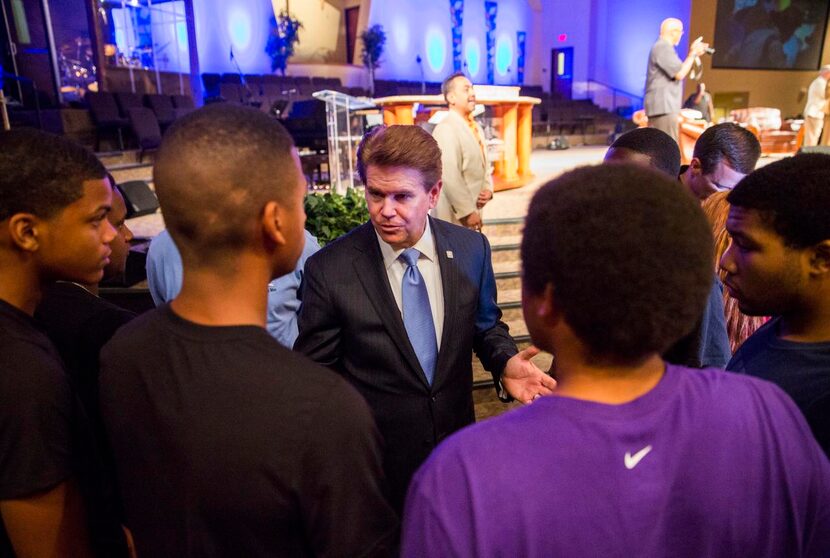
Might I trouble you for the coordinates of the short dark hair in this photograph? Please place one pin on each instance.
(447, 83)
(793, 197)
(658, 145)
(728, 142)
(630, 266)
(401, 146)
(41, 173)
(216, 169)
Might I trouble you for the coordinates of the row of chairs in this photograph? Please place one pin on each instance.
(146, 116)
(565, 116)
(253, 88)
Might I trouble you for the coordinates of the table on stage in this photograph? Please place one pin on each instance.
(515, 116)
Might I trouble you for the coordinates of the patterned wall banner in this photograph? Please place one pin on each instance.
(457, 18)
(521, 38)
(490, 10)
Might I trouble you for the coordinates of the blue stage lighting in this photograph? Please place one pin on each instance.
(472, 52)
(239, 29)
(436, 43)
(504, 54)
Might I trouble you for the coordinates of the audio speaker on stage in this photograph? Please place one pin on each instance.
(138, 197)
(824, 149)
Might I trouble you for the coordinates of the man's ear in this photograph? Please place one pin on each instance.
(435, 193)
(544, 306)
(553, 313)
(820, 258)
(272, 226)
(696, 166)
(23, 231)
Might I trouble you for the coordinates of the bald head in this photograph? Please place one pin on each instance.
(671, 30)
(216, 170)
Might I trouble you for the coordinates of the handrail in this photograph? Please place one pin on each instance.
(635, 101)
(615, 89)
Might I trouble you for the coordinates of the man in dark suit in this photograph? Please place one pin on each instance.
(398, 305)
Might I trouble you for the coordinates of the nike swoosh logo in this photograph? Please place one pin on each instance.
(631, 461)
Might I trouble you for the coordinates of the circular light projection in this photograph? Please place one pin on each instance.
(400, 35)
(436, 47)
(504, 54)
(472, 53)
(239, 29)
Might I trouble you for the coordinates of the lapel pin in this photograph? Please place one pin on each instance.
(449, 254)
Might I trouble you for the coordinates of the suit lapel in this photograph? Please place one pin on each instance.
(449, 281)
(372, 275)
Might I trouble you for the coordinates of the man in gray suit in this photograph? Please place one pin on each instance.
(398, 306)
(468, 185)
(664, 90)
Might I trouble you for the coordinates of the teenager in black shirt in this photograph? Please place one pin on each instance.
(54, 199)
(227, 443)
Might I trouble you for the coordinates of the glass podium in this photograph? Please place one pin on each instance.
(344, 130)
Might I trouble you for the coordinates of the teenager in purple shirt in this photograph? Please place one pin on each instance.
(630, 456)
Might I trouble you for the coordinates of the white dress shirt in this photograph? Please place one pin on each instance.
(430, 270)
(815, 98)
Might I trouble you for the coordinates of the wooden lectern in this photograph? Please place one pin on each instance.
(514, 112)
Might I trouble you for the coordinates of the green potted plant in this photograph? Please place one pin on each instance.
(331, 215)
(374, 38)
(284, 35)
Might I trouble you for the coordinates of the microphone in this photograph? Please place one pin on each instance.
(709, 50)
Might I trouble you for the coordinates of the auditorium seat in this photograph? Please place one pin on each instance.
(211, 84)
(230, 92)
(127, 100)
(105, 115)
(230, 78)
(254, 81)
(162, 107)
(146, 129)
(183, 104)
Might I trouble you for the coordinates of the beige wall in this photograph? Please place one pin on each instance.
(784, 90)
(323, 36)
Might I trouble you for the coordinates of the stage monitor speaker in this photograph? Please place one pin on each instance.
(140, 200)
(825, 149)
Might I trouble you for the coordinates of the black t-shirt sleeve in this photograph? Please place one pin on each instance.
(35, 422)
(341, 480)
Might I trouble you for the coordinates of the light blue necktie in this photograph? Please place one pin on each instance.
(417, 315)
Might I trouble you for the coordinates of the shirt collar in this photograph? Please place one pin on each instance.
(425, 246)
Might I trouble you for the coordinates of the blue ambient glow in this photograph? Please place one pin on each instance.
(504, 54)
(239, 29)
(436, 43)
(472, 53)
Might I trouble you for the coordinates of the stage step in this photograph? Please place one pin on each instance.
(508, 281)
(132, 171)
(505, 248)
(499, 228)
(115, 158)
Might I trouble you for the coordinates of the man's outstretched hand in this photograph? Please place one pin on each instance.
(523, 380)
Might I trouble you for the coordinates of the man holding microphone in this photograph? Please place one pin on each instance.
(664, 92)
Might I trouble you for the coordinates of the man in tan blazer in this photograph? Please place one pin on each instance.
(467, 184)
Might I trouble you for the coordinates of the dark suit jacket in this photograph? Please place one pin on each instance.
(349, 321)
